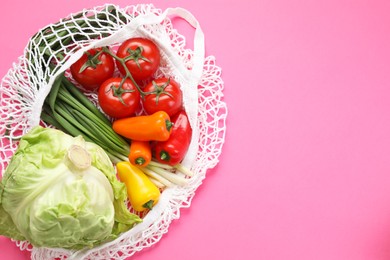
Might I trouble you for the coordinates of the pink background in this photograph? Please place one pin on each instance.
(305, 169)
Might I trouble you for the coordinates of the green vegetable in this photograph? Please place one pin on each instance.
(60, 191)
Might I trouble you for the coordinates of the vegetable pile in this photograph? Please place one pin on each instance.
(70, 187)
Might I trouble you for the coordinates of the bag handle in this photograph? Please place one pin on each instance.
(199, 48)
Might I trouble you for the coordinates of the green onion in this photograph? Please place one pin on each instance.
(68, 109)
(83, 99)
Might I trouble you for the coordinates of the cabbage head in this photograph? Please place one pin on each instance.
(61, 191)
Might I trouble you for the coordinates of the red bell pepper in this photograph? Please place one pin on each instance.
(175, 148)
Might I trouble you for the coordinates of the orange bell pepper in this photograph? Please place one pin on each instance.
(154, 127)
(140, 153)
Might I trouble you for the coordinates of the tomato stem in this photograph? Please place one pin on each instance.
(135, 55)
(128, 73)
(119, 91)
(92, 61)
(159, 90)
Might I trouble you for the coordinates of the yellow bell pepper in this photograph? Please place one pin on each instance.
(142, 192)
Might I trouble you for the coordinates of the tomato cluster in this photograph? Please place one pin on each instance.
(137, 60)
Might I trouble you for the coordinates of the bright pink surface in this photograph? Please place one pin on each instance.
(305, 170)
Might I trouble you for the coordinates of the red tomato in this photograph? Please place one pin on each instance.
(142, 58)
(118, 100)
(163, 94)
(92, 69)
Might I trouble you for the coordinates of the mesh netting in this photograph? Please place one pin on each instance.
(51, 52)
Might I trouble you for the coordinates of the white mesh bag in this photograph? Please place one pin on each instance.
(29, 81)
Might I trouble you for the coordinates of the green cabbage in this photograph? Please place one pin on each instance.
(61, 191)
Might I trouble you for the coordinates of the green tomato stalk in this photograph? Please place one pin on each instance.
(128, 75)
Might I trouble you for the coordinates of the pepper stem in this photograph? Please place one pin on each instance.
(139, 161)
(164, 156)
(168, 124)
(148, 205)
